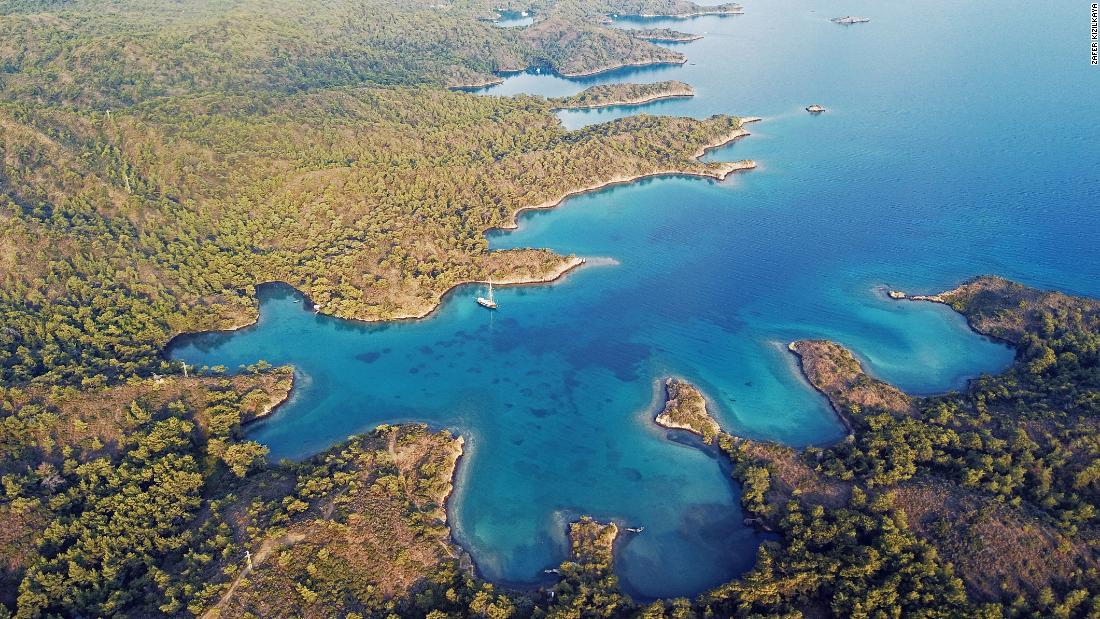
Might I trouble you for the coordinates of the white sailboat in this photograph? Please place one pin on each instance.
(488, 303)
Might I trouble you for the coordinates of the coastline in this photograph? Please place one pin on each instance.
(496, 79)
(678, 393)
(940, 298)
(849, 429)
(726, 169)
(668, 40)
(568, 264)
(271, 407)
(628, 102)
(703, 13)
(462, 554)
(621, 65)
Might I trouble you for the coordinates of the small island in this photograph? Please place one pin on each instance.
(607, 95)
(686, 409)
(849, 19)
(664, 35)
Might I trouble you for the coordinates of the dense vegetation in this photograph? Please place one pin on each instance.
(1028, 435)
(113, 503)
(686, 409)
(124, 230)
(623, 94)
(102, 54)
(992, 484)
(663, 35)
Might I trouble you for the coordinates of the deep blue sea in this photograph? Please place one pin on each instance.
(960, 139)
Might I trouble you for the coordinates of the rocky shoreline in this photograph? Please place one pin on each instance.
(833, 371)
(686, 409)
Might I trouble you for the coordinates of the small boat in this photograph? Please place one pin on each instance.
(488, 303)
(635, 529)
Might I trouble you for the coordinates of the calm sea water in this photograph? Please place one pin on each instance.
(960, 139)
(511, 19)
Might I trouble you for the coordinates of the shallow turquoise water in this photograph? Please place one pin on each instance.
(960, 139)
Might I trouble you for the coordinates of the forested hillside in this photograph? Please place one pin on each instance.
(101, 54)
(159, 160)
(161, 218)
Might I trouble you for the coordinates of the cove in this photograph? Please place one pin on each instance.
(959, 140)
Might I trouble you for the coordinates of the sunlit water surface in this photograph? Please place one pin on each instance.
(960, 138)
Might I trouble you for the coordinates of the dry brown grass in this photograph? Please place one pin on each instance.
(997, 550)
(373, 536)
(792, 477)
(835, 372)
(95, 422)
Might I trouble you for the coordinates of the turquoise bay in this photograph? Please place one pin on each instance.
(959, 140)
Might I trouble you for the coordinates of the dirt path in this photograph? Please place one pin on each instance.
(266, 548)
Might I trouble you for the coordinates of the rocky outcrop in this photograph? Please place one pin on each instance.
(686, 409)
(835, 372)
(1003, 309)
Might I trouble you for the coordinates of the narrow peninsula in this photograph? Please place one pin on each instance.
(674, 9)
(664, 35)
(835, 372)
(608, 95)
